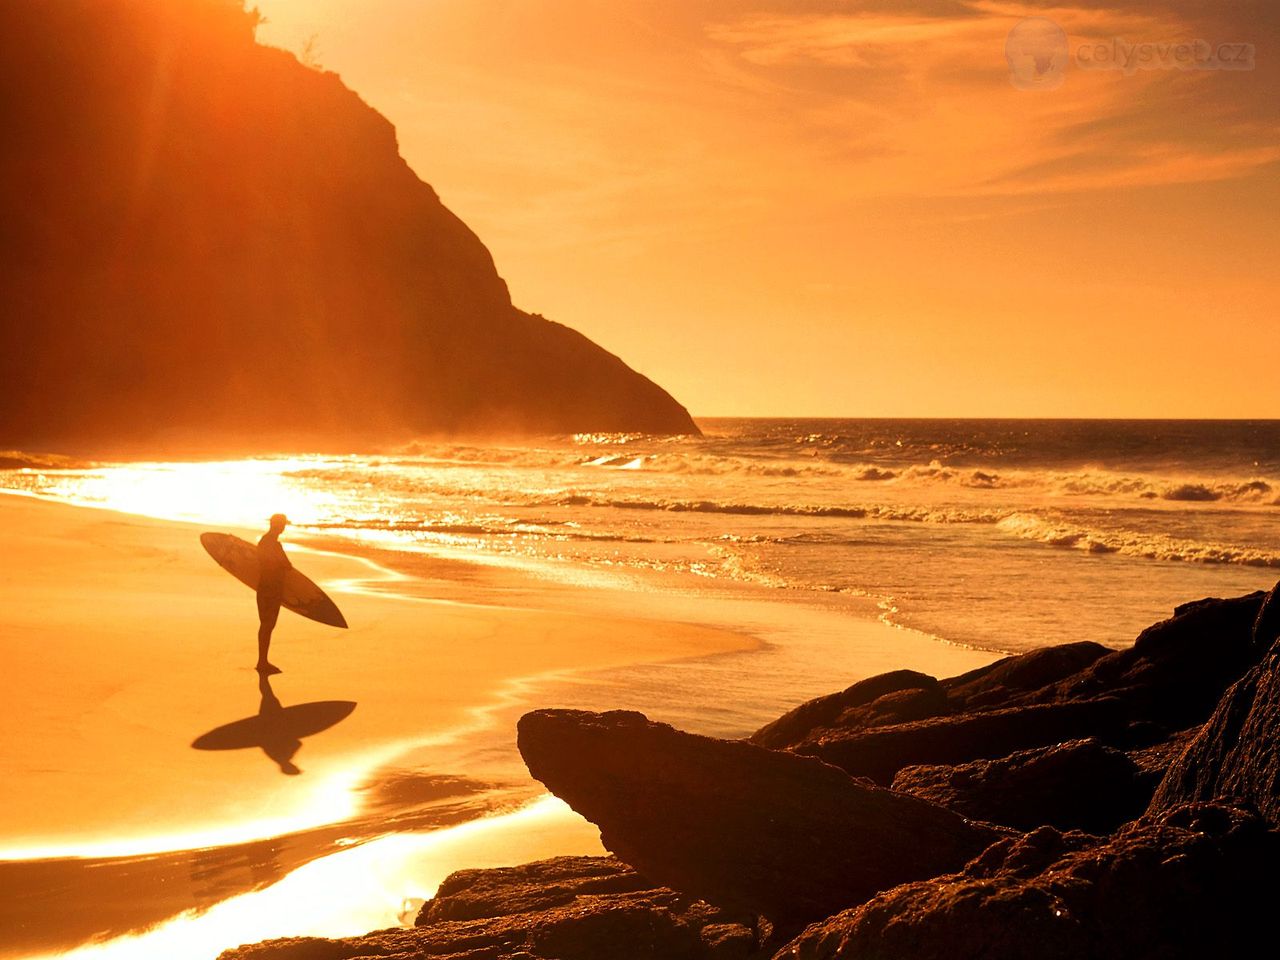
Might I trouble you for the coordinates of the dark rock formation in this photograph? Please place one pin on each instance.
(1266, 628)
(500, 892)
(209, 244)
(1236, 755)
(1192, 884)
(881, 752)
(1169, 680)
(778, 833)
(741, 826)
(1006, 680)
(1080, 785)
(868, 703)
(569, 908)
(1176, 670)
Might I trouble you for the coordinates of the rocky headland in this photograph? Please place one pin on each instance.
(1073, 802)
(209, 246)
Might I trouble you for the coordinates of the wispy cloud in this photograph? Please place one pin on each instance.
(930, 85)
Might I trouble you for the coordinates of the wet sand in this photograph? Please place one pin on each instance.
(124, 642)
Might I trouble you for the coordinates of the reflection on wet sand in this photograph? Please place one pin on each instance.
(58, 904)
(276, 729)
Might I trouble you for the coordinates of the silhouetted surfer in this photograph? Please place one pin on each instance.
(272, 566)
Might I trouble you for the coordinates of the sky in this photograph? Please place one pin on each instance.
(861, 208)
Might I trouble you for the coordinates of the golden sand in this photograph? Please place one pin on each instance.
(123, 641)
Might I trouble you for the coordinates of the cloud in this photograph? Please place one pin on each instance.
(928, 84)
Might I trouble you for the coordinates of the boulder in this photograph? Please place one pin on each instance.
(568, 908)
(528, 888)
(1004, 681)
(881, 752)
(1170, 680)
(1176, 670)
(1236, 755)
(1081, 784)
(838, 709)
(738, 825)
(1266, 628)
(1195, 882)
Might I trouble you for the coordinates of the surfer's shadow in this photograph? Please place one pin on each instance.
(276, 730)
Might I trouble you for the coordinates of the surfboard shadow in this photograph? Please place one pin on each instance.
(276, 730)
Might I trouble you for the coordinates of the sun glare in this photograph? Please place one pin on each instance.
(239, 492)
(375, 885)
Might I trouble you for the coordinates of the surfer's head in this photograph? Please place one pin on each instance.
(278, 522)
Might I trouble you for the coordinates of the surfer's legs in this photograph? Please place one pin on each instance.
(268, 614)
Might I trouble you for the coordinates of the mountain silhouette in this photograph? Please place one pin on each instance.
(208, 244)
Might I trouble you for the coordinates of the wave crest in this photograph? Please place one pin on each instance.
(1146, 546)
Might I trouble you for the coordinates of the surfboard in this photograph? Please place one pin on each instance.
(240, 559)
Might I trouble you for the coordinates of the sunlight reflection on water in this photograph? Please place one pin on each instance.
(239, 492)
(373, 886)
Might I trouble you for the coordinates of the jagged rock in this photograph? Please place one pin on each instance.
(1235, 757)
(849, 708)
(880, 753)
(759, 830)
(1266, 628)
(1197, 882)
(1176, 670)
(1002, 682)
(501, 891)
(1081, 785)
(782, 834)
(1169, 680)
(567, 908)
(1155, 760)
(207, 244)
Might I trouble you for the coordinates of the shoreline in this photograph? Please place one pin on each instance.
(532, 657)
(112, 635)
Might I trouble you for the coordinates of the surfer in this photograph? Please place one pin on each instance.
(272, 566)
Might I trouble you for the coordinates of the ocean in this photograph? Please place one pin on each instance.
(1002, 535)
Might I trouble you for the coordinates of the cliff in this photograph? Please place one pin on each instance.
(208, 243)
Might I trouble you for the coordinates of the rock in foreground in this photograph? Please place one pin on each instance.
(568, 908)
(1236, 756)
(753, 829)
(1169, 680)
(1080, 785)
(1195, 883)
(884, 875)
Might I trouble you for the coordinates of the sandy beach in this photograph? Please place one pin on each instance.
(128, 643)
(125, 642)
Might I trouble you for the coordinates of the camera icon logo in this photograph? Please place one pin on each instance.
(1038, 53)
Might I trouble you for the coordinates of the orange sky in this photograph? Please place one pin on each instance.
(833, 208)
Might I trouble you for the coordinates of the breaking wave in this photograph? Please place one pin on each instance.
(917, 514)
(808, 457)
(1147, 546)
